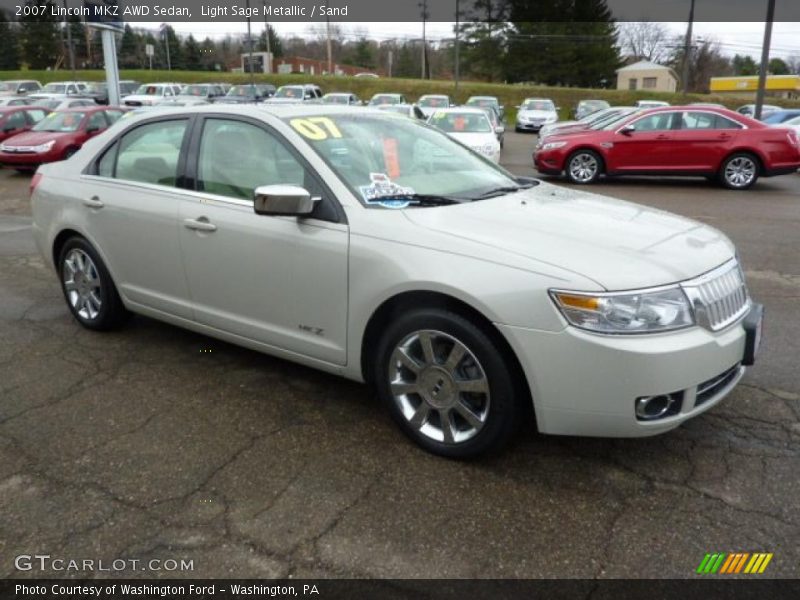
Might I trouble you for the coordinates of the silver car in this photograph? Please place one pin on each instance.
(377, 248)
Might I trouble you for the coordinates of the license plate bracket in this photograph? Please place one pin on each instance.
(753, 326)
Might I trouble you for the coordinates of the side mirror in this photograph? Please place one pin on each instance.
(627, 130)
(92, 130)
(499, 130)
(283, 200)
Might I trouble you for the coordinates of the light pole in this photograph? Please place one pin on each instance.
(164, 30)
(69, 42)
(266, 37)
(250, 57)
(424, 6)
(762, 72)
(458, 40)
(687, 50)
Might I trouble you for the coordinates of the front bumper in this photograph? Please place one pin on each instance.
(549, 162)
(19, 160)
(522, 126)
(587, 384)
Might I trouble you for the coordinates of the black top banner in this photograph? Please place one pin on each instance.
(401, 10)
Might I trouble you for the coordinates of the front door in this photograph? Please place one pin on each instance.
(647, 148)
(281, 281)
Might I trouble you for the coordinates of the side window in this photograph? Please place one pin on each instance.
(698, 120)
(725, 123)
(96, 121)
(235, 158)
(113, 116)
(105, 166)
(656, 122)
(35, 115)
(15, 121)
(150, 153)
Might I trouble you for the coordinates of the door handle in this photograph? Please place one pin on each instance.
(662, 137)
(200, 224)
(93, 202)
(724, 136)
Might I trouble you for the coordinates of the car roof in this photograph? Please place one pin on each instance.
(538, 100)
(8, 109)
(281, 111)
(463, 109)
(91, 109)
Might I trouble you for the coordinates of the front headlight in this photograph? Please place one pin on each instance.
(627, 312)
(46, 147)
(553, 145)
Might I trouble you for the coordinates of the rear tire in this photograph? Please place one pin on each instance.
(90, 292)
(739, 171)
(446, 384)
(584, 167)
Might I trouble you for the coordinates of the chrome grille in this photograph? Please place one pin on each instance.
(720, 297)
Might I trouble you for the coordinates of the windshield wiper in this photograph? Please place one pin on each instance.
(501, 191)
(419, 199)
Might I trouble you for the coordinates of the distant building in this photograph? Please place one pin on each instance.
(647, 76)
(777, 86)
(264, 62)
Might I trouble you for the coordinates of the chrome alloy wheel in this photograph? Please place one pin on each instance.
(583, 167)
(82, 284)
(439, 386)
(740, 171)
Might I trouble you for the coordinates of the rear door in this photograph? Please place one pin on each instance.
(12, 124)
(130, 202)
(703, 140)
(645, 149)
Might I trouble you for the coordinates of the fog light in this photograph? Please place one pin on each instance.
(650, 408)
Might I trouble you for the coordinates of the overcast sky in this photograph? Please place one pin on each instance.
(741, 38)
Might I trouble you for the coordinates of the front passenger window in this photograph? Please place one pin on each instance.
(236, 157)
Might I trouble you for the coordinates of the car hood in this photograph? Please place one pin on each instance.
(284, 100)
(34, 138)
(141, 97)
(620, 245)
(536, 114)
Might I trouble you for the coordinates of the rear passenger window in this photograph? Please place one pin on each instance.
(36, 115)
(150, 153)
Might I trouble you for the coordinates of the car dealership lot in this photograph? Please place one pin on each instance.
(154, 442)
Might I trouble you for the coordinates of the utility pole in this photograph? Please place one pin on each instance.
(250, 57)
(164, 30)
(762, 71)
(687, 50)
(69, 42)
(266, 36)
(330, 50)
(458, 44)
(424, 5)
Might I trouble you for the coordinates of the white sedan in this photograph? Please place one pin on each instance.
(375, 247)
(471, 127)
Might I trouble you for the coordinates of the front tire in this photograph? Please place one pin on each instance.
(446, 384)
(584, 167)
(90, 293)
(739, 171)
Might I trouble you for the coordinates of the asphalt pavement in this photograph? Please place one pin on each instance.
(154, 443)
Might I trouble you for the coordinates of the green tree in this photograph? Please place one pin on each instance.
(778, 66)
(9, 40)
(193, 59)
(39, 36)
(484, 39)
(363, 55)
(744, 65)
(561, 42)
(176, 54)
(208, 55)
(130, 49)
(406, 63)
(275, 44)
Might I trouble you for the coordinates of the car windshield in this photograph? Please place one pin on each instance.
(387, 156)
(779, 117)
(61, 122)
(47, 103)
(289, 91)
(336, 98)
(538, 105)
(239, 91)
(8, 86)
(608, 120)
(794, 121)
(482, 102)
(195, 90)
(433, 101)
(149, 90)
(593, 105)
(55, 88)
(385, 99)
(461, 122)
(96, 87)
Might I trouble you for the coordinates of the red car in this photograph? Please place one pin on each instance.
(16, 119)
(675, 140)
(56, 137)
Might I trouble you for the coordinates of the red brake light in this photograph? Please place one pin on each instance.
(37, 177)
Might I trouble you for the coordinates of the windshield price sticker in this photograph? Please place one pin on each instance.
(384, 192)
(316, 128)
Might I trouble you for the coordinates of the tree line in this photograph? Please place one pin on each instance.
(551, 42)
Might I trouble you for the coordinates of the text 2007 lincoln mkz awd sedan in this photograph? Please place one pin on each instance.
(375, 247)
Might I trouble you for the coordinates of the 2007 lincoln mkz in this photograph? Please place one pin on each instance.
(375, 247)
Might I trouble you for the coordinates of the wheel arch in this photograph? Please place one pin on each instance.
(598, 151)
(410, 300)
(761, 160)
